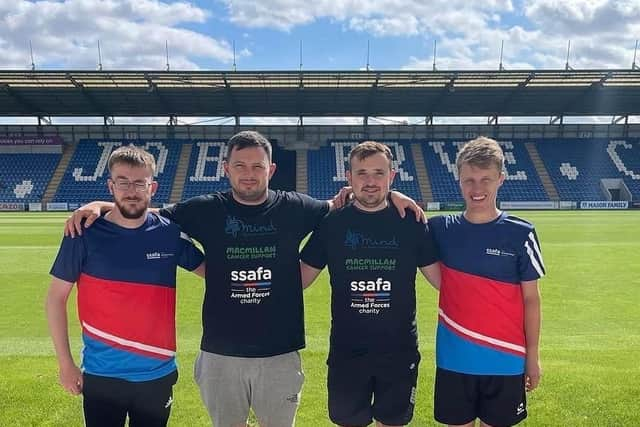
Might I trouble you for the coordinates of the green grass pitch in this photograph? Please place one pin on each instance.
(590, 336)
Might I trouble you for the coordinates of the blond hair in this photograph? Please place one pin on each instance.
(481, 152)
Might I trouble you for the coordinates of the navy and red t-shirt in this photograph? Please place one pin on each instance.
(481, 310)
(126, 294)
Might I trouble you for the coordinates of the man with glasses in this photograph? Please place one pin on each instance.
(125, 270)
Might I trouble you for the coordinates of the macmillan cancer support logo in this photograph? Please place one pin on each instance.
(236, 227)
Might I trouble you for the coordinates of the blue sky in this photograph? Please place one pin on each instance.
(267, 34)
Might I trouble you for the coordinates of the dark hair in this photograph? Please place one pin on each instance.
(132, 156)
(248, 138)
(369, 148)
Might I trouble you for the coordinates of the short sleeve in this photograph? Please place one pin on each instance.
(314, 252)
(70, 259)
(190, 257)
(190, 215)
(427, 249)
(530, 263)
(313, 211)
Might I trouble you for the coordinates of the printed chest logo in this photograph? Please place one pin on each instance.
(370, 296)
(238, 228)
(158, 255)
(250, 286)
(358, 240)
(497, 252)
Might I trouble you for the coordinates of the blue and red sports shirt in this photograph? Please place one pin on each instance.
(481, 311)
(126, 294)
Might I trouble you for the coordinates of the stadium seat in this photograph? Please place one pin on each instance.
(521, 184)
(24, 177)
(576, 166)
(86, 176)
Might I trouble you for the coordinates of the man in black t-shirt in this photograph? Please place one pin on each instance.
(372, 255)
(252, 314)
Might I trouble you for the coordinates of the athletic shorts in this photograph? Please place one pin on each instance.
(107, 401)
(380, 387)
(497, 400)
(229, 386)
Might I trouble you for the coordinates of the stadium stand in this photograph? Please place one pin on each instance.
(577, 166)
(24, 177)
(522, 182)
(86, 176)
(327, 167)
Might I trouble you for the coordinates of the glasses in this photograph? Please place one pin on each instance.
(139, 186)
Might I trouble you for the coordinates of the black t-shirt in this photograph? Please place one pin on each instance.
(253, 303)
(372, 259)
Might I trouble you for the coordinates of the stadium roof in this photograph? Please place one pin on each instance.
(319, 93)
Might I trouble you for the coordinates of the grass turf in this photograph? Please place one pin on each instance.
(590, 334)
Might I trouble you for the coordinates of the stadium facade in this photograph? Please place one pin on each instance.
(548, 165)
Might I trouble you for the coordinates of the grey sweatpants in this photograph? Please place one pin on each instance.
(229, 386)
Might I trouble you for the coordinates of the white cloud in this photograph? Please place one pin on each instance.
(132, 34)
(469, 33)
(286, 14)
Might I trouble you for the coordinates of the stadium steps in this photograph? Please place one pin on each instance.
(551, 190)
(67, 154)
(181, 174)
(302, 186)
(423, 177)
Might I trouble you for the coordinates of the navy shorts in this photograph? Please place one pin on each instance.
(497, 400)
(373, 386)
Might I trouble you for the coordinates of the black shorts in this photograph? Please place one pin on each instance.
(497, 400)
(107, 401)
(380, 387)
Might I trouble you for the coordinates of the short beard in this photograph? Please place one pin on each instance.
(129, 214)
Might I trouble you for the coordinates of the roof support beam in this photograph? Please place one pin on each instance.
(164, 102)
(615, 120)
(590, 90)
(509, 99)
(28, 106)
(371, 97)
(556, 120)
(44, 120)
(231, 99)
(446, 91)
(86, 94)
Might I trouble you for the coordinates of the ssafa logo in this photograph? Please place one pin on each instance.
(370, 296)
(158, 255)
(250, 286)
(498, 252)
(378, 285)
(251, 275)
